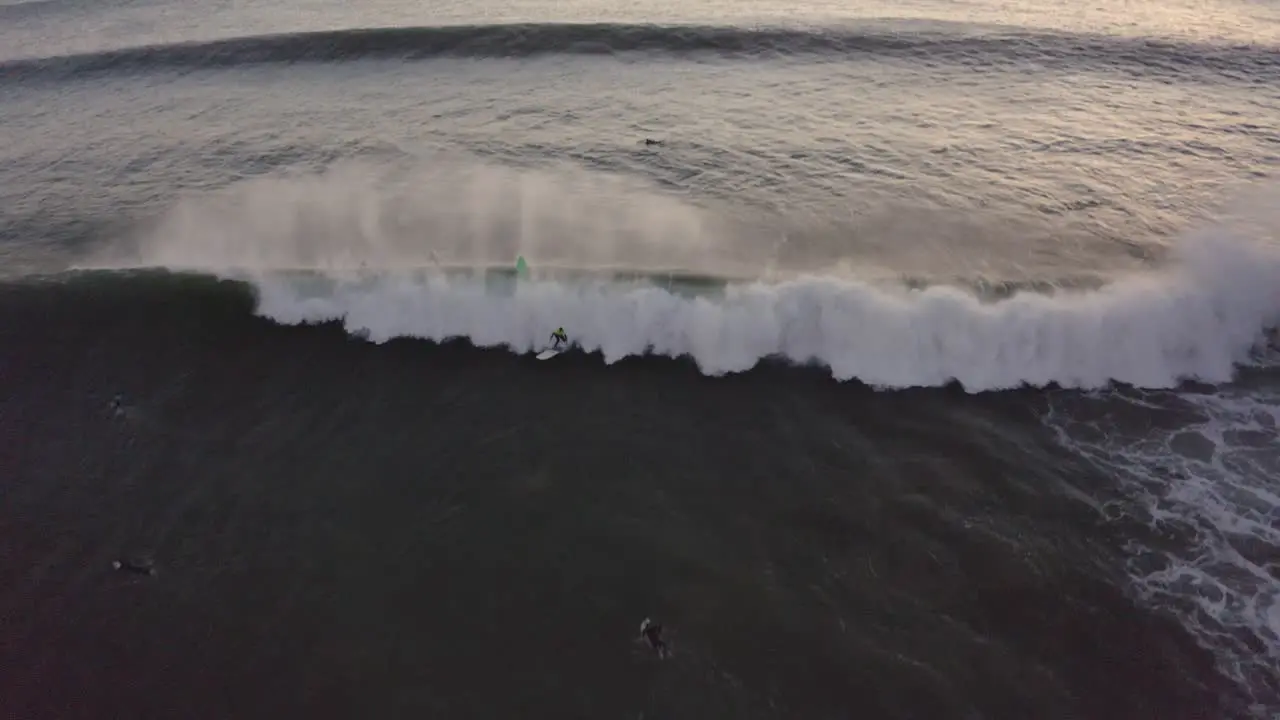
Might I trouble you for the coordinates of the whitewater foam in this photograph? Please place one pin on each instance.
(1205, 489)
(1199, 319)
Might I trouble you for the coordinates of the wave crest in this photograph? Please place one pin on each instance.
(1196, 321)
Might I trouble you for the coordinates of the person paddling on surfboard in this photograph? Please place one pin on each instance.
(558, 337)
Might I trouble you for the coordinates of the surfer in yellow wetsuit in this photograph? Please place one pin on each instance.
(558, 337)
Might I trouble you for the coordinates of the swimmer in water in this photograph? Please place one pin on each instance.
(652, 632)
(131, 566)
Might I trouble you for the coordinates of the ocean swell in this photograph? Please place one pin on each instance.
(990, 49)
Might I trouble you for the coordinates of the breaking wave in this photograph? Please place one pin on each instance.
(1198, 320)
(393, 254)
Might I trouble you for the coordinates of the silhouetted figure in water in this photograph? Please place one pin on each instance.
(134, 566)
(652, 632)
(117, 404)
(651, 141)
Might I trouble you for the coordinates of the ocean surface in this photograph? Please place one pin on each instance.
(923, 359)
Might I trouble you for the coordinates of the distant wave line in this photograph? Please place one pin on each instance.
(1141, 56)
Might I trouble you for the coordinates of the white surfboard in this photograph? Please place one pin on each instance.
(548, 354)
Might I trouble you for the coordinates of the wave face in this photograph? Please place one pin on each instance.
(1196, 321)
(243, 449)
(991, 50)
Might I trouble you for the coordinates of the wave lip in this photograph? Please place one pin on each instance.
(1199, 321)
(1140, 55)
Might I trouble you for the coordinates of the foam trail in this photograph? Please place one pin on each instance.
(1197, 320)
(1210, 481)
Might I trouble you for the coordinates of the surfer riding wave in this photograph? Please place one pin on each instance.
(558, 337)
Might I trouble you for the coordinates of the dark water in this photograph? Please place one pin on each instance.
(347, 529)
(923, 366)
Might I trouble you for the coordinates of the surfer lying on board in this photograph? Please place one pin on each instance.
(558, 337)
(137, 567)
